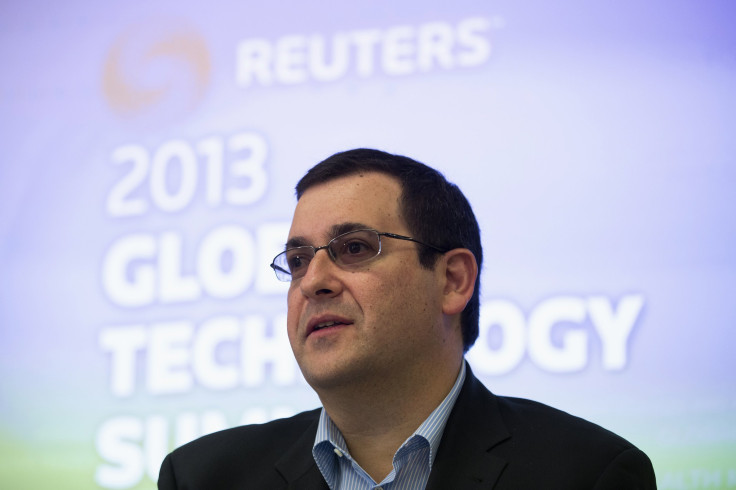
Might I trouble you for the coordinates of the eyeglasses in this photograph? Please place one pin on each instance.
(346, 250)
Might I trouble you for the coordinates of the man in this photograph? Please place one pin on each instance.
(383, 260)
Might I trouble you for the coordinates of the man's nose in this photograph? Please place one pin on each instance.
(320, 279)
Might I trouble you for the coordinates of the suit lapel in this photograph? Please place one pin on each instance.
(311, 480)
(297, 465)
(464, 460)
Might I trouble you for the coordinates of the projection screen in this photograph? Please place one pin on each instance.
(149, 156)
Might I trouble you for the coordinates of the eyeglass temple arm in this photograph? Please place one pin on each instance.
(276, 267)
(402, 237)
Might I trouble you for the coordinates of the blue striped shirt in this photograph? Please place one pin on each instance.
(412, 461)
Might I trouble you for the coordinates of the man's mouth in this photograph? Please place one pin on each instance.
(323, 325)
(326, 322)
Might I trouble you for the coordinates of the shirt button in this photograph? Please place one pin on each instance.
(338, 452)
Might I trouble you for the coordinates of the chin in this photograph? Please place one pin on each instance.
(323, 378)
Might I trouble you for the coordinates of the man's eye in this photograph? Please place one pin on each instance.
(355, 247)
(356, 250)
(296, 262)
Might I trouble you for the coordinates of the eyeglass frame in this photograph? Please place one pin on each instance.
(281, 272)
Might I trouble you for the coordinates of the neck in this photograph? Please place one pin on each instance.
(376, 417)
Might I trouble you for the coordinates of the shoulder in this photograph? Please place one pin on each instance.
(528, 419)
(547, 441)
(240, 454)
(518, 421)
(539, 446)
(250, 438)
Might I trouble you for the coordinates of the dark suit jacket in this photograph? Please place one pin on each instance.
(489, 442)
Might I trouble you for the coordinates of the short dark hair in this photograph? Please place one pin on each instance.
(435, 211)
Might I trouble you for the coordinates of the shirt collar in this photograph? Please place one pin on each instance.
(434, 426)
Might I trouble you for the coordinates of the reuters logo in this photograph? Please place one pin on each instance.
(156, 69)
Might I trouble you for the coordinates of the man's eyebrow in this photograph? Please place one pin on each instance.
(341, 228)
(296, 241)
(335, 230)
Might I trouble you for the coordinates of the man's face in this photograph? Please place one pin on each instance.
(387, 313)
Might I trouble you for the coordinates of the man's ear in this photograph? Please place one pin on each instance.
(461, 270)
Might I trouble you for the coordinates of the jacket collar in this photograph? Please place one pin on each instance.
(297, 464)
(474, 428)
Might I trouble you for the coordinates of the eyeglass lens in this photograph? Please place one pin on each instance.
(347, 249)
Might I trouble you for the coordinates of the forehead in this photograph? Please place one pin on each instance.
(371, 199)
